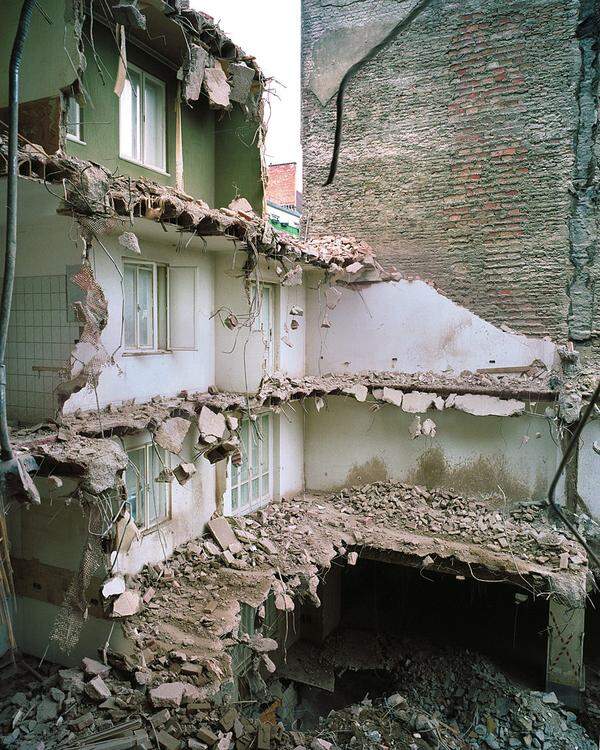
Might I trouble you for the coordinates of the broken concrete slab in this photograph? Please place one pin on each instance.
(211, 425)
(360, 392)
(94, 668)
(217, 88)
(242, 78)
(392, 396)
(222, 532)
(168, 695)
(184, 472)
(127, 604)
(97, 689)
(416, 402)
(194, 72)
(488, 406)
(172, 433)
(130, 242)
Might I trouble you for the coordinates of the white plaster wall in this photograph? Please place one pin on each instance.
(347, 443)
(588, 471)
(290, 472)
(410, 327)
(142, 376)
(192, 505)
(240, 358)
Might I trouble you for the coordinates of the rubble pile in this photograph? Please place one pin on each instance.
(443, 699)
(523, 531)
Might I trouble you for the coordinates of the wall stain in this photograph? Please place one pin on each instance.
(371, 471)
(480, 477)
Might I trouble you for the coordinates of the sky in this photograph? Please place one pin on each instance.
(269, 30)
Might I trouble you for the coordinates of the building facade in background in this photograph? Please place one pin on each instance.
(468, 151)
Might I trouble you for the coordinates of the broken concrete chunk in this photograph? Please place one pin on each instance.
(216, 87)
(269, 664)
(242, 77)
(428, 428)
(212, 426)
(352, 558)
(241, 205)
(184, 472)
(127, 604)
(564, 561)
(171, 434)
(297, 311)
(71, 680)
(222, 532)
(46, 711)
(320, 744)
(416, 402)
(392, 396)
(126, 532)
(194, 72)
(113, 586)
(267, 545)
(97, 689)
(284, 603)
(167, 741)
(293, 277)
(94, 668)
(206, 735)
(482, 406)
(168, 695)
(263, 645)
(354, 267)
(130, 242)
(360, 392)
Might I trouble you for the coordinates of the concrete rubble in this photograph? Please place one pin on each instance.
(170, 689)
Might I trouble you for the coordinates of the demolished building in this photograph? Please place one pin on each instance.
(240, 437)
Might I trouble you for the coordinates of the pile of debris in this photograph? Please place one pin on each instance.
(443, 699)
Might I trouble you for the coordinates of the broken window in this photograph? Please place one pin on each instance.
(250, 479)
(142, 113)
(74, 120)
(160, 307)
(148, 499)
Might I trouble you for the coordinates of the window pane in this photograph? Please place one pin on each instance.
(244, 495)
(135, 479)
(255, 489)
(254, 450)
(266, 436)
(157, 491)
(234, 498)
(73, 117)
(130, 306)
(130, 117)
(244, 435)
(265, 485)
(154, 123)
(161, 306)
(145, 307)
(265, 310)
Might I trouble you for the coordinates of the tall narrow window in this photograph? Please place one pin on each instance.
(148, 499)
(74, 125)
(250, 479)
(142, 113)
(145, 290)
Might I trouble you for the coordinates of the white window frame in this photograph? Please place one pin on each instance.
(171, 343)
(264, 320)
(76, 136)
(233, 506)
(144, 496)
(153, 347)
(143, 161)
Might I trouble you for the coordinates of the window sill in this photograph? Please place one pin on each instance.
(145, 166)
(75, 139)
(144, 353)
(155, 528)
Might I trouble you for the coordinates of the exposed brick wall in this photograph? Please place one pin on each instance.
(281, 187)
(457, 152)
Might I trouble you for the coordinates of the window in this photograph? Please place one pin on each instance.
(262, 310)
(142, 113)
(250, 480)
(74, 124)
(159, 307)
(148, 499)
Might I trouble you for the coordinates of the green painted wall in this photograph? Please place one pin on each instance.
(237, 159)
(220, 159)
(45, 66)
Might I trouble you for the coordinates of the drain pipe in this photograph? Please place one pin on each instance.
(567, 454)
(11, 217)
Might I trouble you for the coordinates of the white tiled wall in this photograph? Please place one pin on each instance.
(40, 335)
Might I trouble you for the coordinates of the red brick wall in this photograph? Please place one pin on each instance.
(281, 187)
(457, 151)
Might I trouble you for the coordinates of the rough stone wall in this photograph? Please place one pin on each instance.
(457, 159)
